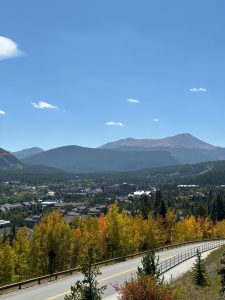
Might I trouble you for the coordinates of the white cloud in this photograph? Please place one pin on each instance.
(8, 48)
(2, 112)
(156, 120)
(133, 101)
(43, 105)
(198, 90)
(114, 124)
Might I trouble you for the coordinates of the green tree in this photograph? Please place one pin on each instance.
(163, 209)
(157, 202)
(220, 208)
(145, 205)
(150, 265)
(199, 269)
(213, 212)
(87, 289)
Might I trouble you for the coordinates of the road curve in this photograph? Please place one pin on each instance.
(111, 275)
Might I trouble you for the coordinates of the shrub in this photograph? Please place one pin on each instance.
(145, 288)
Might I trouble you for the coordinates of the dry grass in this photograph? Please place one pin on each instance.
(190, 291)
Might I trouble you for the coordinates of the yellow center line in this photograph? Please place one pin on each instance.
(103, 279)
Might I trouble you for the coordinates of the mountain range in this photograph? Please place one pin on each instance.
(25, 153)
(184, 140)
(76, 159)
(124, 155)
(185, 148)
(8, 161)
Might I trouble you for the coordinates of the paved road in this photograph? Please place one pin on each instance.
(111, 275)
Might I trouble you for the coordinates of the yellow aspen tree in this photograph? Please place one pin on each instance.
(155, 231)
(102, 237)
(113, 231)
(22, 248)
(206, 227)
(52, 234)
(137, 233)
(170, 221)
(219, 229)
(7, 263)
(188, 229)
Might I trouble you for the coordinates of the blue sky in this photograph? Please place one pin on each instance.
(68, 68)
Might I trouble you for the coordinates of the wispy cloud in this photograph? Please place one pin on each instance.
(8, 48)
(198, 90)
(156, 120)
(114, 124)
(133, 100)
(43, 105)
(2, 112)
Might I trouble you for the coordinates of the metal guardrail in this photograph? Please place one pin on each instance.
(46, 278)
(178, 259)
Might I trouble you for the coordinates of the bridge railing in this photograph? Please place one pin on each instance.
(178, 259)
(166, 265)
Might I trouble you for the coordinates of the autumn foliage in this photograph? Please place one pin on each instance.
(112, 235)
(145, 288)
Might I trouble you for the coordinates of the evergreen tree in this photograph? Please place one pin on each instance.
(145, 206)
(150, 265)
(163, 209)
(202, 211)
(220, 208)
(157, 202)
(87, 289)
(213, 212)
(12, 234)
(199, 270)
(209, 201)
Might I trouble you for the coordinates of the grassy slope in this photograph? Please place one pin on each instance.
(211, 292)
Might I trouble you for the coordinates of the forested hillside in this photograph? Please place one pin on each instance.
(8, 161)
(77, 159)
(207, 173)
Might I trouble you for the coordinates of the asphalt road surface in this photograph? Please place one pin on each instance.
(111, 275)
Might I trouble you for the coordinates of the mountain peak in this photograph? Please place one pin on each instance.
(25, 153)
(183, 140)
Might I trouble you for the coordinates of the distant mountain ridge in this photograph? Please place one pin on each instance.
(25, 153)
(8, 161)
(76, 159)
(183, 147)
(125, 155)
(184, 140)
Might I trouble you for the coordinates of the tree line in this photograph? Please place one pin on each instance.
(111, 235)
